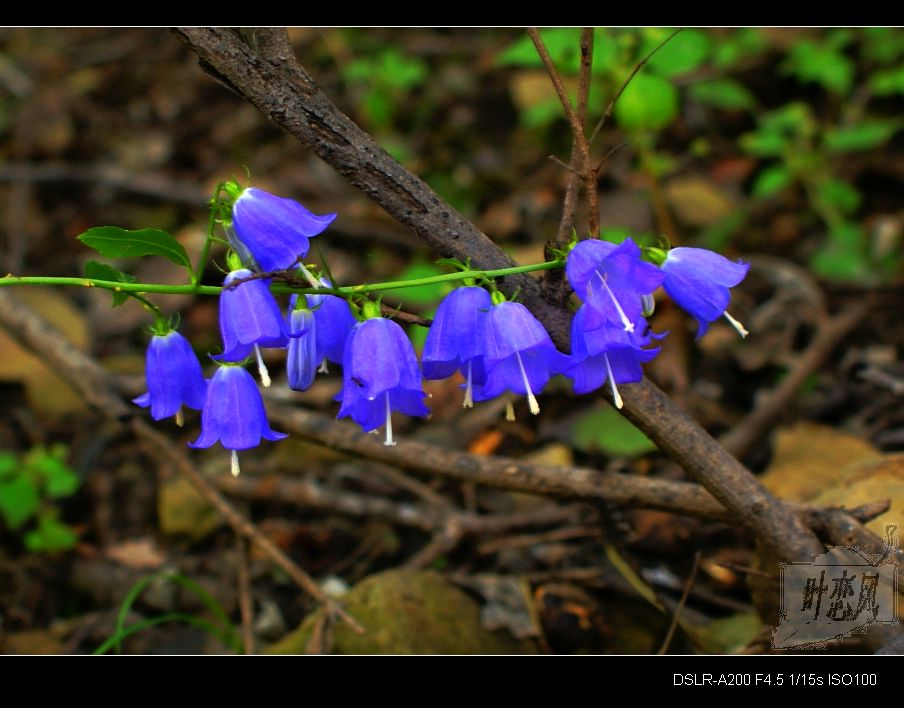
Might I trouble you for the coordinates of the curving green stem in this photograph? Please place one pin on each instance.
(189, 289)
(211, 225)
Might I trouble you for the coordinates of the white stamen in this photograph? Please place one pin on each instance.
(180, 417)
(629, 326)
(234, 464)
(616, 397)
(262, 368)
(323, 369)
(531, 400)
(469, 398)
(389, 442)
(737, 325)
(509, 412)
(310, 278)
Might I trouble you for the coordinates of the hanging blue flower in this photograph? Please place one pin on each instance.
(607, 353)
(275, 230)
(518, 354)
(698, 281)
(174, 378)
(456, 339)
(250, 318)
(611, 280)
(234, 413)
(302, 361)
(380, 375)
(335, 321)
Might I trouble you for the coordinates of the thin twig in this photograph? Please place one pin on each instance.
(676, 617)
(640, 65)
(245, 602)
(741, 439)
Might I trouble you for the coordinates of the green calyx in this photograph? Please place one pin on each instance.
(370, 310)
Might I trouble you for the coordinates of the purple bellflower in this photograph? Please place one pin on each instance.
(698, 280)
(174, 378)
(612, 281)
(456, 339)
(249, 319)
(335, 321)
(608, 353)
(518, 355)
(380, 375)
(234, 413)
(275, 230)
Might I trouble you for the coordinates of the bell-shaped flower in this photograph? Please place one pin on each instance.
(518, 354)
(612, 281)
(174, 378)
(250, 318)
(334, 320)
(275, 230)
(234, 414)
(607, 353)
(456, 339)
(301, 362)
(380, 375)
(698, 280)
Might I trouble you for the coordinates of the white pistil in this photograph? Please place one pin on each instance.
(234, 464)
(734, 323)
(616, 396)
(469, 397)
(509, 412)
(389, 442)
(262, 368)
(180, 417)
(531, 400)
(323, 369)
(629, 326)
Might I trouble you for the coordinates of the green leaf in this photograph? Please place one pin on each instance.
(890, 81)
(648, 103)
(861, 136)
(764, 144)
(840, 194)
(51, 536)
(115, 242)
(103, 271)
(602, 428)
(422, 294)
(563, 44)
(771, 180)
(19, 500)
(59, 479)
(9, 465)
(741, 44)
(727, 94)
(683, 53)
(844, 257)
(821, 64)
(882, 44)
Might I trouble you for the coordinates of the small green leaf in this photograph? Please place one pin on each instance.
(59, 480)
(683, 53)
(884, 83)
(602, 428)
(648, 103)
(861, 136)
(103, 271)
(771, 180)
(727, 94)
(9, 465)
(844, 257)
(764, 144)
(115, 242)
(563, 45)
(51, 536)
(822, 64)
(840, 194)
(19, 500)
(422, 294)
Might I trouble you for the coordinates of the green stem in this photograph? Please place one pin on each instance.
(211, 225)
(120, 287)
